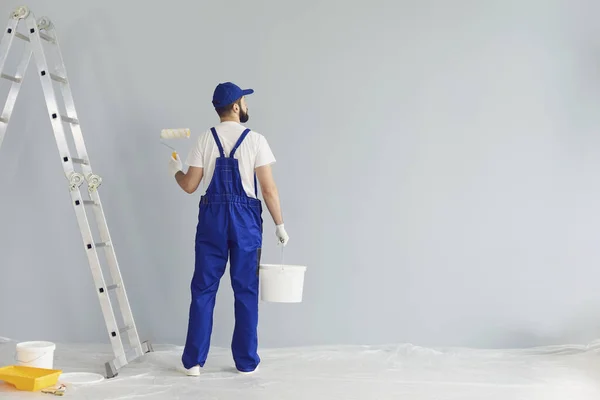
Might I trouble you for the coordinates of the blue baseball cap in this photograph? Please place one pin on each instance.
(227, 93)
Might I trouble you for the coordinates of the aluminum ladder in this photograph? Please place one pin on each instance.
(36, 32)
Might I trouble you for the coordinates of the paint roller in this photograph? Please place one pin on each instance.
(173, 134)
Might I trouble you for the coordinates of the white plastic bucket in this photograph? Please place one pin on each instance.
(281, 283)
(36, 354)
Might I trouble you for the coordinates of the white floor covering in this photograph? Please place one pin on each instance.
(338, 372)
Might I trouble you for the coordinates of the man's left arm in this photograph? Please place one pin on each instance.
(188, 181)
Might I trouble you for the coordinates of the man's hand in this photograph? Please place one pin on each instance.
(282, 235)
(175, 165)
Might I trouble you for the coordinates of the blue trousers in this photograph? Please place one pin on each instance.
(229, 227)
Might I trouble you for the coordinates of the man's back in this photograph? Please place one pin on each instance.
(254, 152)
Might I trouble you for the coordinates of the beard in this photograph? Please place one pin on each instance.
(244, 117)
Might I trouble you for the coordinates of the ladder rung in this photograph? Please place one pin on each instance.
(47, 37)
(11, 78)
(112, 287)
(5, 120)
(70, 120)
(21, 36)
(58, 78)
(125, 329)
(79, 161)
(90, 203)
(102, 244)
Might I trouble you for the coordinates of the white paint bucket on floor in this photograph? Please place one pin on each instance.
(35, 354)
(281, 283)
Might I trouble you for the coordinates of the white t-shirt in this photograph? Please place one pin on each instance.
(254, 152)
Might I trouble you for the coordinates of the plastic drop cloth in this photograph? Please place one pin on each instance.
(338, 372)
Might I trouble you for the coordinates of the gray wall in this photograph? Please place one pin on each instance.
(438, 167)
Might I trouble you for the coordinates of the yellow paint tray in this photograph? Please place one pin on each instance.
(29, 378)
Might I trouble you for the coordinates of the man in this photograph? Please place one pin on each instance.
(231, 158)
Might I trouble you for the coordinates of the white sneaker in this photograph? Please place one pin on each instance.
(247, 372)
(194, 371)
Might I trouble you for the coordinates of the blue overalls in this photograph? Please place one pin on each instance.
(229, 224)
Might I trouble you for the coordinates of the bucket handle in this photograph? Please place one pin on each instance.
(27, 362)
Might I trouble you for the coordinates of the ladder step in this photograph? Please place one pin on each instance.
(11, 78)
(111, 287)
(69, 120)
(47, 38)
(58, 78)
(21, 36)
(5, 120)
(125, 329)
(102, 244)
(90, 203)
(79, 161)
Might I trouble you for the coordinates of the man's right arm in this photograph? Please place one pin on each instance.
(270, 192)
(269, 189)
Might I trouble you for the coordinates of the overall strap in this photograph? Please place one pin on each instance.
(214, 133)
(240, 140)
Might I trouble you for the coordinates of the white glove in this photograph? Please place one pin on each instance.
(175, 165)
(281, 235)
